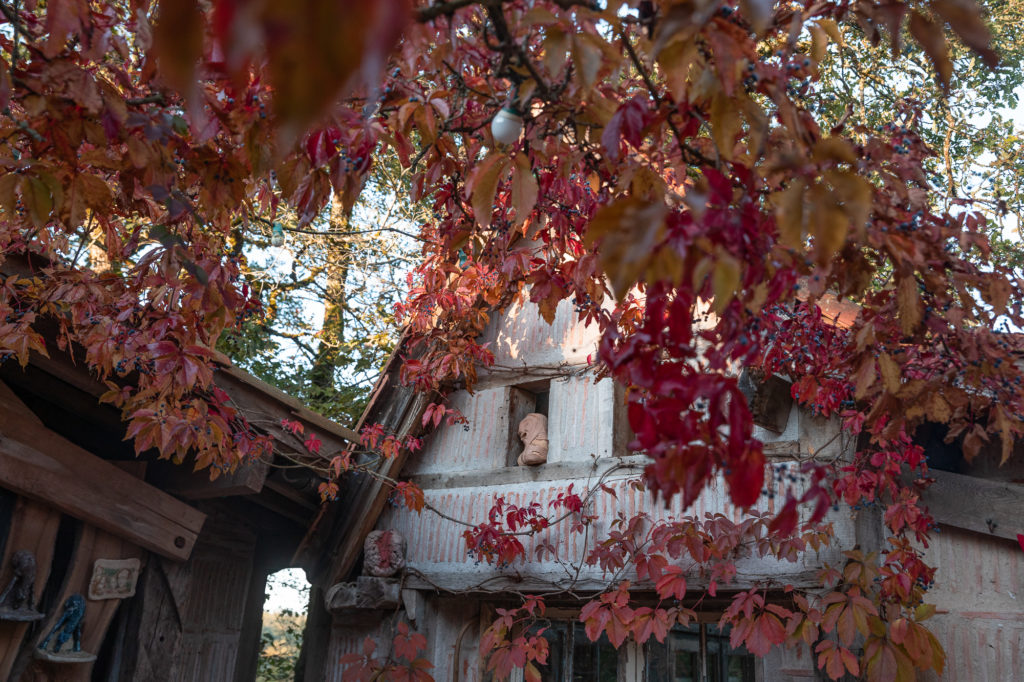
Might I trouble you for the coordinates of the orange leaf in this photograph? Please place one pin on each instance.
(524, 188)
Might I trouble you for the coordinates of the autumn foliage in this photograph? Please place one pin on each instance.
(672, 179)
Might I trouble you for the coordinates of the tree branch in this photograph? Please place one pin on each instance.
(448, 8)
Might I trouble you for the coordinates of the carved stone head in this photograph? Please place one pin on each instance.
(533, 431)
(383, 553)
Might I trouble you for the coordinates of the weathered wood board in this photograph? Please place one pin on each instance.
(38, 463)
(33, 527)
(987, 507)
(92, 544)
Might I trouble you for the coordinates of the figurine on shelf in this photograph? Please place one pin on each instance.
(533, 431)
(69, 624)
(16, 600)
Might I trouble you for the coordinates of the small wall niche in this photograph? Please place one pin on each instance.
(522, 400)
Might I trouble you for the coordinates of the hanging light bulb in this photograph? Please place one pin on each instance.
(277, 235)
(507, 125)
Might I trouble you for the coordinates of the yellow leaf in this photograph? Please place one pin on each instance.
(938, 409)
(758, 13)
(924, 612)
(94, 190)
(675, 62)
(909, 301)
(725, 280)
(37, 200)
(483, 185)
(626, 233)
(832, 29)
(998, 293)
(789, 213)
(932, 39)
(8, 199)
(856, 195)
(587, 58)
(725, 124)
(834, 149)
(758, 125)
(819, 42)
(556, 45)
(864, 377)
(1005, 426)
(828, 223)
(524, 188)
(890, 373)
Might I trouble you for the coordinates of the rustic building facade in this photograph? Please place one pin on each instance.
(540, 368)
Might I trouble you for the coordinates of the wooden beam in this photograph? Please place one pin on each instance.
(239, 384)
(374, 496)
(181, 480)
(500, 584)
(38, 463)
(977, 504)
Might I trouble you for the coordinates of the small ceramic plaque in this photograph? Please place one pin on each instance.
(114, 578)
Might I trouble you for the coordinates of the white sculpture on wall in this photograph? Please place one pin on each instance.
(533, 431)
(383, 553)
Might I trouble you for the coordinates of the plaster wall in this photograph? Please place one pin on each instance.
(979, 592)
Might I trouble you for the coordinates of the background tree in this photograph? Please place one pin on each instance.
(327, 324)
(971, 128)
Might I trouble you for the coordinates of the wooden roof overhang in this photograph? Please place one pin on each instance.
(59, 443)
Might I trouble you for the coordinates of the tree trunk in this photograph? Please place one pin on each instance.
(332, 331)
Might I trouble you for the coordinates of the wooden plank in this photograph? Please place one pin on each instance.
(585, 473)
(154, 643)
(470, 582)
(92, 544)
(987, 507)
(38, 463)
(33, 527)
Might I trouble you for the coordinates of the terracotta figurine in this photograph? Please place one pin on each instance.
(533, 431)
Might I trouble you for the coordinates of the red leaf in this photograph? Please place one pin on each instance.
(785, 522)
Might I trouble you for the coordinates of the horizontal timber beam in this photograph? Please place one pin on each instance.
(981, 505)
(40, 464)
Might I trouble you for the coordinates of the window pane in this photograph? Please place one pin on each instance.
(593, 661)
(678, 659)
(740, 668)
(554, 671)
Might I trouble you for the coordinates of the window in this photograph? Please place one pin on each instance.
(687, 652)
(572, 657)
